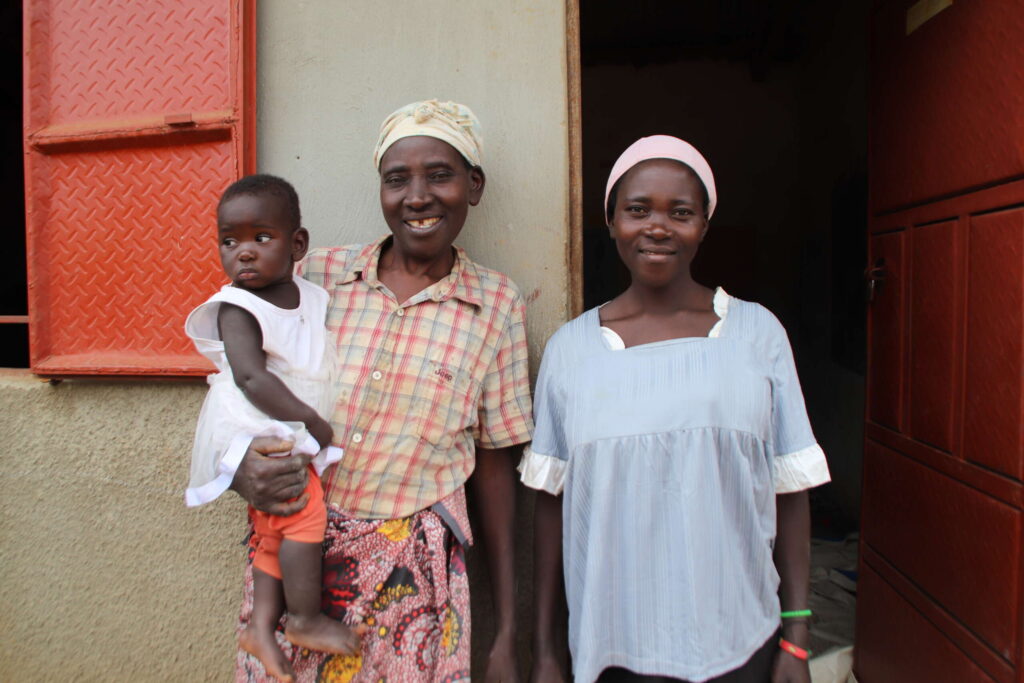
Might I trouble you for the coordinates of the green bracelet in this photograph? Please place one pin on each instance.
(796, 613)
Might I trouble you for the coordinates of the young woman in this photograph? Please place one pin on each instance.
(673, 453)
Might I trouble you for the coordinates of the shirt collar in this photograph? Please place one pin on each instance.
(462, 283)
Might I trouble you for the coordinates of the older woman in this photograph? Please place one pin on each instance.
(432, 355)
(674, 453)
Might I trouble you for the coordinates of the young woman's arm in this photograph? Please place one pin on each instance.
(243, 346)
(793, 560)
(494, 491)
(548, 590)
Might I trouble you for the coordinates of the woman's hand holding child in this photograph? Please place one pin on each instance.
(273, 485)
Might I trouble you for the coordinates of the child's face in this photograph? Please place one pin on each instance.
(258, 244)
(425, 193)
(658, 222)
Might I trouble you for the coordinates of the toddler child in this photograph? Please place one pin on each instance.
(265, 333)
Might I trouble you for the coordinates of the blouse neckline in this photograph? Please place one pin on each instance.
(613, 342)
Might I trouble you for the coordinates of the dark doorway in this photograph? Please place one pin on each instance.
(13, 280)
(774, 95)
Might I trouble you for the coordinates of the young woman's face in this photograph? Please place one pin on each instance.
(425, 194)
(258, 244)
(658, 221)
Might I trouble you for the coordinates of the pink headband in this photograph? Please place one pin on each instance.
(663, 147)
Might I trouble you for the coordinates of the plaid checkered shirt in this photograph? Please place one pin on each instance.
(421, 381)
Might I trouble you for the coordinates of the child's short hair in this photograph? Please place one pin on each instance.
(260, 184)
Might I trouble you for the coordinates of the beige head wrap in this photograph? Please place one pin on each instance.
(451, 122)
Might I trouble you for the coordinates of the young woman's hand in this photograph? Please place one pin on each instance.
(273, 485)
(501, 662)
(790, 669)
(546, 670)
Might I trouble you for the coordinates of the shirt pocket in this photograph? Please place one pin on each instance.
(447, 405)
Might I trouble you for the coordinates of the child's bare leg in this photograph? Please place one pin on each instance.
(307, 626)
(258, 637)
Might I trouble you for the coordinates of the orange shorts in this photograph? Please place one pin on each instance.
(305, 526)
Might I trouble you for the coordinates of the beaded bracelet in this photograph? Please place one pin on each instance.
(792, 649)
(796, 613)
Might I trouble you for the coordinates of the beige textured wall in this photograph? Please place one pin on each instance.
(106, 576)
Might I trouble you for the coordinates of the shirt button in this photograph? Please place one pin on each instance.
(376, 374)
(400, 312)
(356, 438)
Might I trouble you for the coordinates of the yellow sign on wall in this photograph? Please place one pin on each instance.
(923, 10)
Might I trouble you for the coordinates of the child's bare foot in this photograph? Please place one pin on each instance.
(320, 632)
(261, 644)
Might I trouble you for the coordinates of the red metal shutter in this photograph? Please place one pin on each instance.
(137, 115)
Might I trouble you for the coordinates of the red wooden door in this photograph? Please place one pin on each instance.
(940, 592)
(137, 115)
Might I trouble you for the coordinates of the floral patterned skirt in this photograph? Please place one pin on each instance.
(406, 580)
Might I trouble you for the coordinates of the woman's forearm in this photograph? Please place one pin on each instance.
(547, 575)
(793, 559)
(494, 491)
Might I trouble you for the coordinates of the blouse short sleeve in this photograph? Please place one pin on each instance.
(504, 412)
(544, 461)
(799, 461)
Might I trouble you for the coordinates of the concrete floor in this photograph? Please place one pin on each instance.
(833, 600)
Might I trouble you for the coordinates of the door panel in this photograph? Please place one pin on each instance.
(933, 314)
(946, 102)
(904, 647)
(885, 331)
(995, 328)
(941, 545)
(957, 544)
(940, 508)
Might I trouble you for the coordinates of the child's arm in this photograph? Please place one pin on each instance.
(243, 346)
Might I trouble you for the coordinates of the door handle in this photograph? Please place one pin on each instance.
(875, 275)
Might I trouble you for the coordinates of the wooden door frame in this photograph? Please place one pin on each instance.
(574, 245)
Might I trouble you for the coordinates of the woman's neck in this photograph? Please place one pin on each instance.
(642, 315)
(681, 295)
(392, 259)
(406, 276)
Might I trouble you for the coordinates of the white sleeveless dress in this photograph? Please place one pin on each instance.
(295, 341)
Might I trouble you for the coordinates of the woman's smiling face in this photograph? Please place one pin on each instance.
(659, 221)
(425, 194)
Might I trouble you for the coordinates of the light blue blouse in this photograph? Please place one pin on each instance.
(666, 454)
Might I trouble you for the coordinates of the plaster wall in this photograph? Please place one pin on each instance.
(328, 78)
(106, 575)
